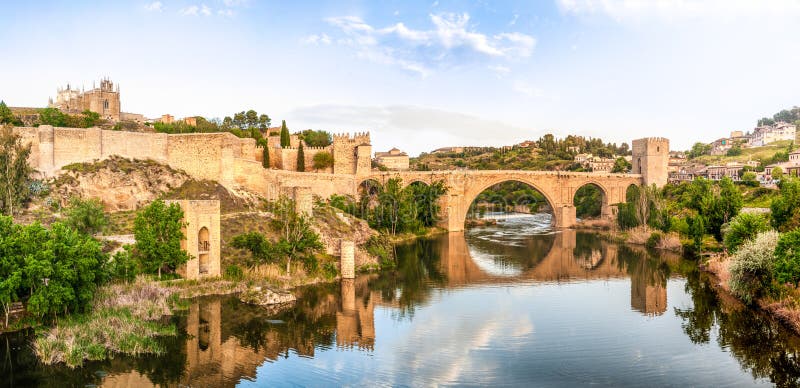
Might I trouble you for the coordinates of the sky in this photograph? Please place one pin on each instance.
(419, 75)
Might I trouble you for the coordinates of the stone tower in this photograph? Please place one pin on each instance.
(352, 154)
(650, 158)
(202, 230)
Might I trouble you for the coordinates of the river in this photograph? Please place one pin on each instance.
(514, 304)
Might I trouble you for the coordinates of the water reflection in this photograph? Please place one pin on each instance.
(539, 319)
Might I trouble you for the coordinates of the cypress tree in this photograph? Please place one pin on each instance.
(265, 152)
(301, 159)
(285, 139)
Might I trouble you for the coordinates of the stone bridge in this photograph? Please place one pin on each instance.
(557, 187)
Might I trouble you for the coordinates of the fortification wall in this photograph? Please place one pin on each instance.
(135, 145)
(322, 185)
(288, 158)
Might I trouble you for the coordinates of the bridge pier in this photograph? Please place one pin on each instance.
(565, 216)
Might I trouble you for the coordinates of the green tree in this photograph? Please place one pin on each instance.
(588, 201)
(65, 270)
(6, 116)
(316, 138)
(621, 165)
(301, 159)
(285, 138)
(699, 149)
(787, 258)
(258, 246)
(777, 172)
(322, 160)
(697, 230)
(785, 209)
(86, 216)
(12, 265)
(264, 143)
(52, 116)
(749, 178)
(158, 232)
(297, 238)
(15, 171)
(743, 227)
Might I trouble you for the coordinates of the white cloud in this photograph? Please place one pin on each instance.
(317, 39)
(411, 48)
(195, 10)
(191, 10)
(635, 10)
(235, 3)
(499, 70)
(225, 12)
(155, 6)
(403, 125)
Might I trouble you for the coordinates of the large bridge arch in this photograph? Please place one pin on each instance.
(472, 192)
(605, 196)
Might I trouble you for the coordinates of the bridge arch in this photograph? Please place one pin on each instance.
(472, 193)
(584, 205)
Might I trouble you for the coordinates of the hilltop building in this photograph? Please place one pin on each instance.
(771, 133)
(104, 100)
(394, 159)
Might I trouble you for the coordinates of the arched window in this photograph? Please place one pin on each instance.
(203, 249)
(105, 104)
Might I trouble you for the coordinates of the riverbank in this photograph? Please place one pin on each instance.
(640, 235)
(785, 310)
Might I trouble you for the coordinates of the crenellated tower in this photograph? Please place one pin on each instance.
(352, 154)
(651, 159)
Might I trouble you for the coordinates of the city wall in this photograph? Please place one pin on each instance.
(221, 157)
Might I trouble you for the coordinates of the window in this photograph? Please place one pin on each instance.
(105, 104)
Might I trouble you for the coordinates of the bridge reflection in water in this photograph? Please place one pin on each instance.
(227, 341)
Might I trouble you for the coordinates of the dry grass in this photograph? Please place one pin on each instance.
(98, 335)
(145, 299)
(638, 235)
(670, 242)
(718, 265)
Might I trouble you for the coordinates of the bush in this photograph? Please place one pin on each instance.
(787, 258)
(233, 272)
(753, 266)
(86, 216)
(123, 266)
(653, 240)
(258, 245)
(743, 227)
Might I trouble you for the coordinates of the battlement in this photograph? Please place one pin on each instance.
(358, 137)
(306, 148)
(653, 140)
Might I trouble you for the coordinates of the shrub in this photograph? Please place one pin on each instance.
(787, 258)
(654, 240)
(743, 227)
(86, 216)
(753, 266)
(158, 231)
(257, 244)
(234, 272)
(123, 266)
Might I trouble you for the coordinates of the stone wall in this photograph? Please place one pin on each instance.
(347, 158)
(202, 238)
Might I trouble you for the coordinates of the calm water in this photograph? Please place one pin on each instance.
(514, 305)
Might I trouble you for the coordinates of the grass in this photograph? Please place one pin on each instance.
(756, 153)
(98, 336)
(760, 197)
(123, 320)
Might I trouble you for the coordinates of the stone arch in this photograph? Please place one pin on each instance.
(471, 194)
(605, 205)
(367, 184)
(204, 249)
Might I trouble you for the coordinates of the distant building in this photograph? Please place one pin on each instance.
(527, 144)
(104, 100)
(574, 149)
(167, 119)
(771, 133)
(394, 159)
(445, 150)
(731, 170)
(190, 121)
(582, 158)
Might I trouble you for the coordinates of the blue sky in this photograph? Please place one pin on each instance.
(422, 75)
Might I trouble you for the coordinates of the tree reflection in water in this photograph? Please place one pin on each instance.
(225, 341)
(759, 343)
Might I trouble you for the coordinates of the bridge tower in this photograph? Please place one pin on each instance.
(650, 158)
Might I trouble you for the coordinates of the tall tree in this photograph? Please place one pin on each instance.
(286, 141)
(6, 117)
(158, 232)
(264, 152)
(15, 171)
(297, 238)
(301, 159)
